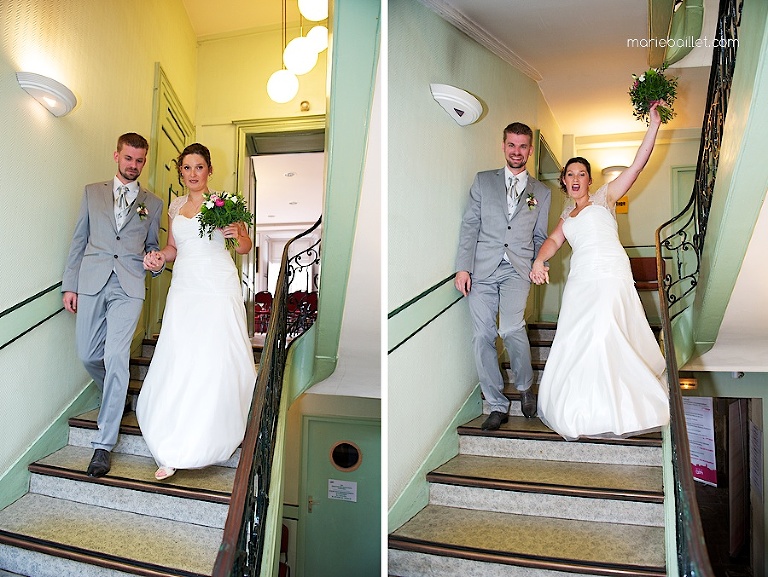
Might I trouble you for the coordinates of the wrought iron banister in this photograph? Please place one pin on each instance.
(242, 546)
(683, 247)
(683, 236)
(692, 556)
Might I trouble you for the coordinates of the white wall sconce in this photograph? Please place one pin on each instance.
(54, 96)
(611, 172)
(459, 104)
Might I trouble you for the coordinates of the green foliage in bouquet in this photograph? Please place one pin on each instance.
(650, 87)
(220, 209)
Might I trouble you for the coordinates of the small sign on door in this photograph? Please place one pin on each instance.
(342, 490)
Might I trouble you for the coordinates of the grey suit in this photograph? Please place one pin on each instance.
(499, 287)
(105, 269)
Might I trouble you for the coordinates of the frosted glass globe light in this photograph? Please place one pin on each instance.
(282, 86)
(318, 36)
(300, 56)
(314, 10)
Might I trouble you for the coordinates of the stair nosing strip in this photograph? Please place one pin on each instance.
(521, 559)
(125, 483)
(552, 436)
(82, 555)
(547, 488)
(79, 423)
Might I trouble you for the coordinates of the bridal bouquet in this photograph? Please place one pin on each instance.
(220, 209)
(650, 86)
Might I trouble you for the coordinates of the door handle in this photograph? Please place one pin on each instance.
(310, 503)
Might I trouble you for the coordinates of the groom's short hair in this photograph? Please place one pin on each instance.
(517, 128)
(132, 139)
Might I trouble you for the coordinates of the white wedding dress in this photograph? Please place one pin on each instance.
(605, 374)
(195, 398)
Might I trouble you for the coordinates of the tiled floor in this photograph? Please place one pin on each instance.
(713, 506)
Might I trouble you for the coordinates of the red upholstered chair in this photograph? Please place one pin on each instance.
(262, 306)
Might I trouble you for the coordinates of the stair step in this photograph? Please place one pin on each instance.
(587, 491)
(492, 543)
(530, 439)
(48, 537)
(83, 429)
(199, 496)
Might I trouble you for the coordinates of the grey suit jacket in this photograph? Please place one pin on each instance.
(98, 248)
(486, 234)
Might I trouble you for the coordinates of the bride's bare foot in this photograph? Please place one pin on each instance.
(164, 472)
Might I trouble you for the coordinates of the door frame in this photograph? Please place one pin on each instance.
(164, 98)
(245, 182)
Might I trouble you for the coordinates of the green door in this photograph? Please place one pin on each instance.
(340, 514)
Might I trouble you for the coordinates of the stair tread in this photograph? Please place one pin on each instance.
(524, 428)
(642, 481)
(508, 537)
(128, 425)
(138, 472)
(44, 523)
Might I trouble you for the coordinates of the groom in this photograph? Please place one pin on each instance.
(104, 283)
(504, 226)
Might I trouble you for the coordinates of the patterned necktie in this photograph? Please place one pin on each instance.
(122, 207)
(512, 194)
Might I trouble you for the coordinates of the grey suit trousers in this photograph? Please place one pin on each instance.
(503, 293)
(104, 327)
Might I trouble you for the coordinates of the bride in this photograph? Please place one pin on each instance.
(604, 376)
(195, 398)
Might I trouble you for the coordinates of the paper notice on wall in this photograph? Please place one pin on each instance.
(342, 490)
(701, 437)
(756, 459)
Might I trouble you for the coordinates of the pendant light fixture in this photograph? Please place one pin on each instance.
(283, 85)
(300, 55)
(314, 10)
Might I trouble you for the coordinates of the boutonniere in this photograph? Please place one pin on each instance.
(142, 211)
(531, 200)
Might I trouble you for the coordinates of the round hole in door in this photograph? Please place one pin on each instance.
(346, 456)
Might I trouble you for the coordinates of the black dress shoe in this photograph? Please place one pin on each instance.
(99, 465)
(494, 421)
(528, 403)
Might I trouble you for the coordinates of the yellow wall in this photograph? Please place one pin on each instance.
(105, 51)
(232, 86)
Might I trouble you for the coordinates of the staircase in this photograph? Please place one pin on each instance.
(521, 501)
(125, 523)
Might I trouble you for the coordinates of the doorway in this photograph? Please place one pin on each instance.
(276, 138)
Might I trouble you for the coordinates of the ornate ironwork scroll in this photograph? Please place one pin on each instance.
(242, 547)
(682, 238)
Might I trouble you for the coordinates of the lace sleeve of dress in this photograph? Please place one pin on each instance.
(176, 205)
(568, 207)
(600, 198)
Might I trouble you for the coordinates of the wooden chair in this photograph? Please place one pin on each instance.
(644, 272)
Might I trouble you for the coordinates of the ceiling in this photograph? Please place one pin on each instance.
(578, 53)
(234, 15)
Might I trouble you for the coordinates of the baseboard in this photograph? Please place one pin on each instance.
(415, 496)
(14, 483)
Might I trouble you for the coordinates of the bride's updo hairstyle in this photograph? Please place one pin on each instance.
(194, 148)
(574, 160)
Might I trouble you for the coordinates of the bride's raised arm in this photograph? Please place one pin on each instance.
(619, 187)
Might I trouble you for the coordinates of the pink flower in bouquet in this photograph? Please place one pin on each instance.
(218, 201)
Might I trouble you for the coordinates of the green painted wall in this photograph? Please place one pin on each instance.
(46, 163)
(432, 162)
(742, 176)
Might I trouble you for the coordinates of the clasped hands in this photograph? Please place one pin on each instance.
(539, 274)
(154, 261)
